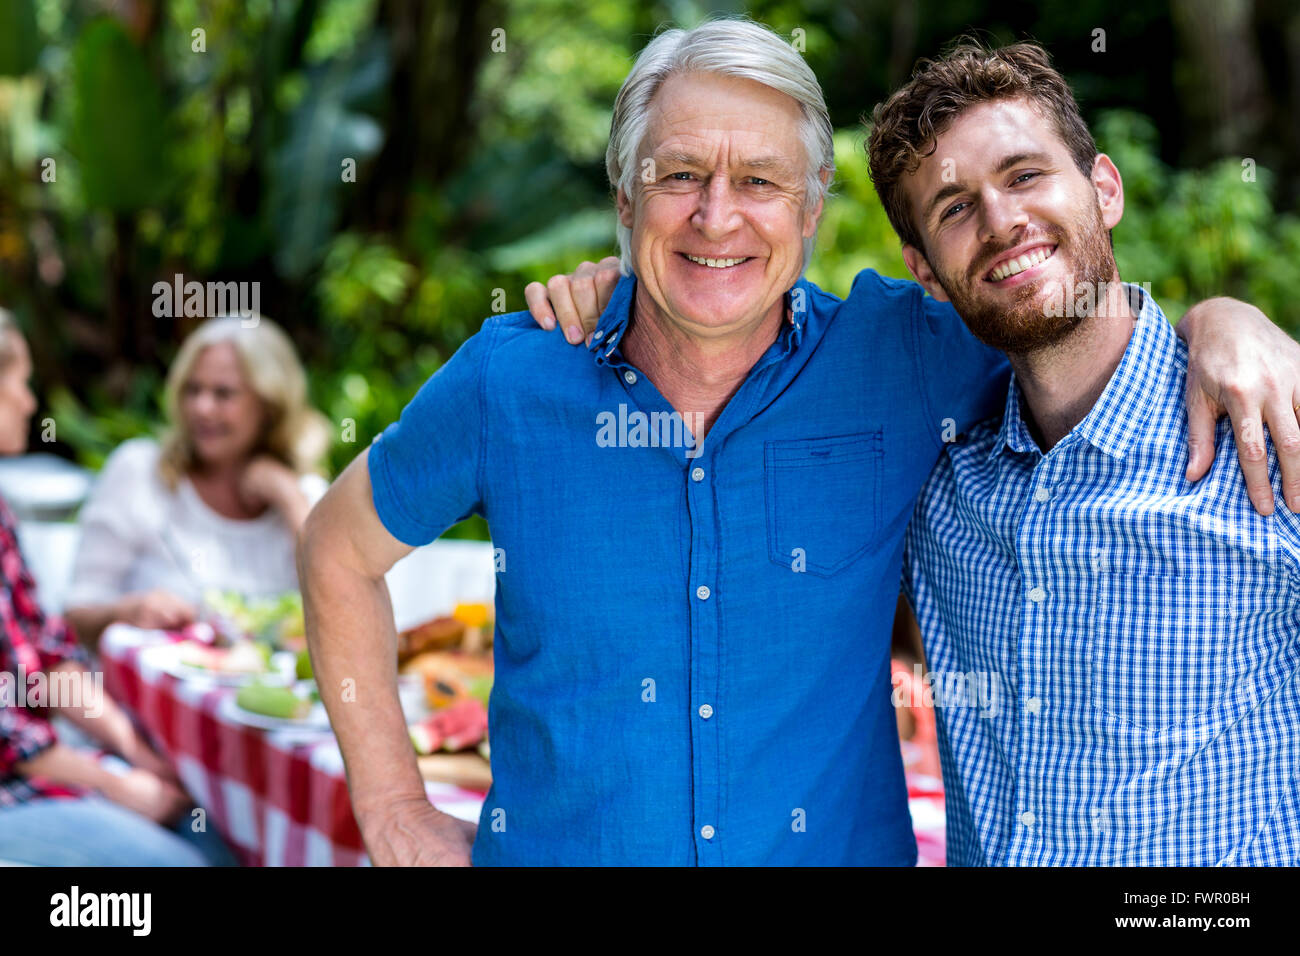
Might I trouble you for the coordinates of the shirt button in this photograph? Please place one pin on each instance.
(630, 377)
(1037, 594)
(702, 592)
(697, 474)
(1042, 494)
(707, 832)
(1034, 704)
(1028, 818)
(706, 711)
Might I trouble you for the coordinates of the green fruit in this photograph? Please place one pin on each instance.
(303, 667)
(271, 701)
(481, 687)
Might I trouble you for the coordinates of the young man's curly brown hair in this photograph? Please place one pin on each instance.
(906, 127)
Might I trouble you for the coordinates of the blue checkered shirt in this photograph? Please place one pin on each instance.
(1112, 650)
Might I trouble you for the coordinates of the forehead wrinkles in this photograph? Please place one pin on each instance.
(725, 150)
(742, 131)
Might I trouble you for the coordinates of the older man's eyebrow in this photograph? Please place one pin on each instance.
(678, 158)
(764, 162)
(1007, 162)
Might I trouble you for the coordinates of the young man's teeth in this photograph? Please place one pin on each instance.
(715, 263)
(1021, 263)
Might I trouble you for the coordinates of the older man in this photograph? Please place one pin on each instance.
(692, 637)
(688, 668)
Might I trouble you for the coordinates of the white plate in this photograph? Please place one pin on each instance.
(316, 721)
(167, 658)
(414, 709)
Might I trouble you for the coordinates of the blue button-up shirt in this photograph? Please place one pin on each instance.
(692, 645)
(1114, 650)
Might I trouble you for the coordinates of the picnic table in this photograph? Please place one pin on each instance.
(279, 798)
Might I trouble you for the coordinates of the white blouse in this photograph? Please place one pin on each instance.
(137, 535)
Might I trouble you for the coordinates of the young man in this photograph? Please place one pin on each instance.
(1145, 631)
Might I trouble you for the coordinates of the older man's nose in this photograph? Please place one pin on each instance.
(1000, 216)
(719, 212)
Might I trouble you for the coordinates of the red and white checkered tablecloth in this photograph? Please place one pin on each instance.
(925, 802)
(279, 798)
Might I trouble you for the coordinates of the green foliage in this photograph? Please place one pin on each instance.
(1194, 234)
(855, 233)
(98, 426)
(324, 130)
(119, 126)
(20, 43)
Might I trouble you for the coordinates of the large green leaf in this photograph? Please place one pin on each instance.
(118, 121)
(20, 42)
(566, 240)
(326, 128)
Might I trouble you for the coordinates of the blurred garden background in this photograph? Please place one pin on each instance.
(478, 132)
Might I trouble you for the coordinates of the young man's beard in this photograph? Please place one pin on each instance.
(1026, 323)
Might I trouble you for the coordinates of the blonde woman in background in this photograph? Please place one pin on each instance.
(216, 505)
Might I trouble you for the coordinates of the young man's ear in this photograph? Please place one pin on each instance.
(920, 268)
(1110, 190)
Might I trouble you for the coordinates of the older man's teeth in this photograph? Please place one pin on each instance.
(1021, 263)
(715, 263)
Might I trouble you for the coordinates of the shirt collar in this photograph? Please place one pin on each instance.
(1129, 398)
(1014, 433)
(613, 322)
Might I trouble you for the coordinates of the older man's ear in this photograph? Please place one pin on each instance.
(574, 301)
(624, 205)
(815, 218)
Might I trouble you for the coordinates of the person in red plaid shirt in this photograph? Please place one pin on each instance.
(60, 805)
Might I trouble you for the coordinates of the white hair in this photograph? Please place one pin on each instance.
(728, 47)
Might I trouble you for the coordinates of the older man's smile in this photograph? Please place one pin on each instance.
(718, 262)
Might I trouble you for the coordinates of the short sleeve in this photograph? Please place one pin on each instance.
(109, 524)
(425, 468)
(965, 380)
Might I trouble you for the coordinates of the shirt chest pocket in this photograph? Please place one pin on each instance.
(823, 500)
(1157, 648)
